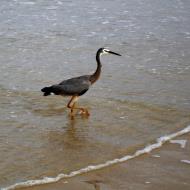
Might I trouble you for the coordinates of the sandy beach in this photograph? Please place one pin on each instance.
(140, 97)
(165, 168)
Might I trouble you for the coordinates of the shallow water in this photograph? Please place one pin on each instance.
(140, 96)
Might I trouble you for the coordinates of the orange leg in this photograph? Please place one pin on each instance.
(71, 105)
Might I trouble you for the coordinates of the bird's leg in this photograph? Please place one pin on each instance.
(72, 104)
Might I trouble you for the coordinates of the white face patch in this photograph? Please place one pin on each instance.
(105, 51)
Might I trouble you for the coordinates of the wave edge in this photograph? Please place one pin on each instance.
(159, 142)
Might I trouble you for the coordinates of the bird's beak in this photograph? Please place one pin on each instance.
(114, 53)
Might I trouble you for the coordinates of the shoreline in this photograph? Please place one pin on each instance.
(160, 169)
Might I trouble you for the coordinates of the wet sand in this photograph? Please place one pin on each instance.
(142, 95)
(160, 169)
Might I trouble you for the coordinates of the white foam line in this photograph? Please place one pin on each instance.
(159, 142)
(182, 143)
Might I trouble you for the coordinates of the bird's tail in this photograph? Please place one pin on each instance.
(47, 91)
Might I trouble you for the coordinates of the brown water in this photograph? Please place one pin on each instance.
(140, 96)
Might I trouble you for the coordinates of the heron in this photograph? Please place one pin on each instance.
(77, 86)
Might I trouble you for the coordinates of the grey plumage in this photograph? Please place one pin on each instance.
(75, 86)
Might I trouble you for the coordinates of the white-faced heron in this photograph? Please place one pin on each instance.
(77, 86)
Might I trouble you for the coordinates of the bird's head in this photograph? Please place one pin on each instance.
(102, 51)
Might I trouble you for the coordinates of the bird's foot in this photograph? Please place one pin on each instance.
(72, 114)
(84, 111)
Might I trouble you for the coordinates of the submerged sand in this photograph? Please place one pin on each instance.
(165, 168)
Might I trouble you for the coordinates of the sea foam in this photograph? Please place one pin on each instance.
(159, 142)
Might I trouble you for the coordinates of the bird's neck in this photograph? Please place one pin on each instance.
(95, 76)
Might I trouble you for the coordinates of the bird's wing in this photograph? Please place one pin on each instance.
(81, 79)
(74, 86)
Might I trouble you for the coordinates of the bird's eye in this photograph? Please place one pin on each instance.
(106, 50)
